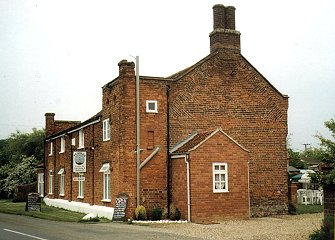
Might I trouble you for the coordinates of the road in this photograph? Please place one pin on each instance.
(14, 227)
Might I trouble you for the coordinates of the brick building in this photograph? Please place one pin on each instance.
(212, 139)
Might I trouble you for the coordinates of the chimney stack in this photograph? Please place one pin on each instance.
(126, 69)
(224, 36)
(49, 124)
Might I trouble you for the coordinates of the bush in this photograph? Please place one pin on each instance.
(326, 232)
(140, 213)
(156, 214)
(177, 215)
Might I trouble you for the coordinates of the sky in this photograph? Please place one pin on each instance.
(56, 55)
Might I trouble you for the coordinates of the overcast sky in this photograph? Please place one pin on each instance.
(56, 55)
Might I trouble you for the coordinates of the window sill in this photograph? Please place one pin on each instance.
(81, 147)
(106, 200)
(105, 140)
(222, 191)
(62, 152)
(61, 195)
(80, 197)
(50, 155)
(151, 111)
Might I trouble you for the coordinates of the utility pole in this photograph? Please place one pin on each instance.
(306, 145)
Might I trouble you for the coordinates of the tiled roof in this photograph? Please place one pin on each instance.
(193, 142)
(196, 139)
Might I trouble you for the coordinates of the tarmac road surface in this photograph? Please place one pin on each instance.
(15, 227)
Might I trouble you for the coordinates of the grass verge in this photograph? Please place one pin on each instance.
(302, 209)
(47, 212)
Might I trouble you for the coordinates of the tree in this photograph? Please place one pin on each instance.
(19, 155)
(327, 157)
(295, 159)
(22, 173)
(22, 144)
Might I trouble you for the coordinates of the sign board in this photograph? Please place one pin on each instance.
(76, 179)
(79, 161)
(33, 202)
(120, 207)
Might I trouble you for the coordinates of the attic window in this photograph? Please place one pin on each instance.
(151, 106)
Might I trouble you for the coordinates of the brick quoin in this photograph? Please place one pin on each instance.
(221, 91)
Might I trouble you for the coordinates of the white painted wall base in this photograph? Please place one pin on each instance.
(100, 211)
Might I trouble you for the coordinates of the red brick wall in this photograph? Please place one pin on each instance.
(205, 204)
(230, 94)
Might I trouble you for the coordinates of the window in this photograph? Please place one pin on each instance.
(105, 130)
(62, 144)
(106, 180)
(61, 187)
(151, 106)
(81, 138)
(220, 177)
(51, 149)
(40, 185)
(50, 182)
(81, 180)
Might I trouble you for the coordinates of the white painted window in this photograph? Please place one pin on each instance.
(106, 130)
(40, 184)
(151, 106)
(50, 182)
(62, 182)
(81, 139)
(220, 177)
(106, 180)
(62, 144)
(51, 149)
(81, 181)
(73, 141)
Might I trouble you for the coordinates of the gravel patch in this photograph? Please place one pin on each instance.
(285, 227)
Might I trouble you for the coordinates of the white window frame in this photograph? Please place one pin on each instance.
(40, 185)
(81, 139)
(51, 148)
(62, 182)
(50, 182)
(106, 130)
(220, 169)
(148, 110)
(62, 144)
(105, 169)
(81, 185)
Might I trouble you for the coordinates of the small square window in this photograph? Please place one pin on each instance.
(151, 106)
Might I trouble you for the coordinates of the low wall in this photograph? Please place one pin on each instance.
(100, 211)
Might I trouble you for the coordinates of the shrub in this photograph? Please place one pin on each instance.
(177, 215)
(140, 213)
(156, 214)
(326, 232)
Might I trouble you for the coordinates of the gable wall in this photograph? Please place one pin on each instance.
(231, 95)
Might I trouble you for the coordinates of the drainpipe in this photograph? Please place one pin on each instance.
(44, 170)
(168, 158)
(92, 152)
(138, 160)
(187, 161)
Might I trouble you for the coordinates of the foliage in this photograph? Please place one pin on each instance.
(295, 159)
(14, 175)
(326, 232)
(326, 154)
(156, 214)
(19, 144)
(177, 215)
(140, 213)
